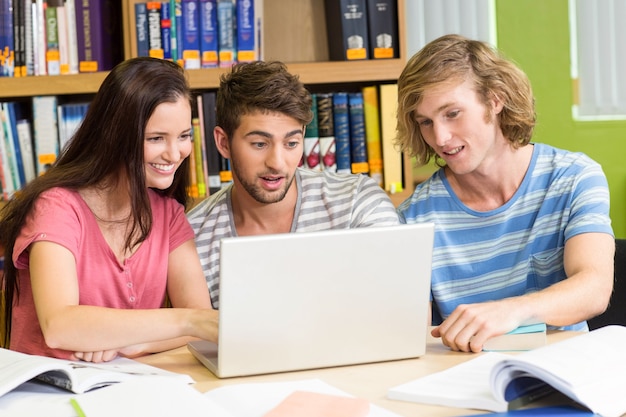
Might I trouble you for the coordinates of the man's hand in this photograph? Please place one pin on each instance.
(470, 325)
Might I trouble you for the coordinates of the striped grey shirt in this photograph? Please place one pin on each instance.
(326, 200)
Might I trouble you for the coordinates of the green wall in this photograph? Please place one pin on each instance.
(535, 34)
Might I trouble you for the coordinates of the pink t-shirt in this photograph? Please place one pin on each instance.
(61, 216)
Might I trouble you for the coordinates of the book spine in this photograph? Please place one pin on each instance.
(52, 40)
(212, 154)
(311, 155)
(347, 32)
(99, 35)
(7, 40)
(62, 33)
(372, 133)
(191, 34)
(205, 173)
(392, 159)
(166, 30)
(177, 18)
(141, 29)
(45, 130)
(72, 43)
(341, 124)
(40, 37)
(326, 130)
(19, 36)
(208, 33)
(247, 41)
(226, 175)
(227, 46)
(358, 151)
(29, 51)
(26, 147)
(173, 31)
(8, 188)
(11, 109)
(193, 183)
(382, 19)
(13, 158)
(155, 45)
(197, 151)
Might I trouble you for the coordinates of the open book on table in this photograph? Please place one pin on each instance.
(589, 368)
(17, 368)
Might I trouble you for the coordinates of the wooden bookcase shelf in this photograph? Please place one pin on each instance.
(294, 31)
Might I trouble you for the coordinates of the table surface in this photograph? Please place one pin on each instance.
(370, 381)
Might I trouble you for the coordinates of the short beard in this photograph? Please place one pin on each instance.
(260, 195)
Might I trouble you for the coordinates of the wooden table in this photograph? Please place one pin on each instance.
(370, 381)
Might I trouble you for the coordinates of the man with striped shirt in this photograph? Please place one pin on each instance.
(262, 111)
(522, 229)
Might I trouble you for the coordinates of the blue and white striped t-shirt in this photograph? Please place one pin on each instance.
(326, 200)
(517, 248)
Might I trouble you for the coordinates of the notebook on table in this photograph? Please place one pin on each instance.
(299, 301)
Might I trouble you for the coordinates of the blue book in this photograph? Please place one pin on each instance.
(141, 29)
(191, 34)
(227, 41)
(247, 35)
(208, 34)
(166, 30)
(341, 121)
(358, 145)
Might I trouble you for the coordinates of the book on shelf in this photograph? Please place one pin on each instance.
(202, 139)
(28, 43)
(347, 29)
(208, 34)
(249, 28)
(98, 34)
(155, 43)
(69, 118)
(199, 157)
(78, 377)
(227, 36)
(226, 174)
(166, 30)
(45, 131)
(72, 40)
(206, 104)
(358, 147)
(141, 29)
(19, 21)
(392, 158)
(311, 153)
(190, 42)
(25, 137)
(192, 191)
(588, 369)
(7, 40)
(39, 25)
(53, 60)
(522, 338)
(372, 133)
(12, 163)
(382, 17)
(341, 123)
(6, 175)
(326, 131)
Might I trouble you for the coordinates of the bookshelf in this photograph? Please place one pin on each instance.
(294, 32)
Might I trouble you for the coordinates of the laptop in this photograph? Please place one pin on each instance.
(298, 301)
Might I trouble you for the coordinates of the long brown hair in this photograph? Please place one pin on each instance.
(108, 147)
